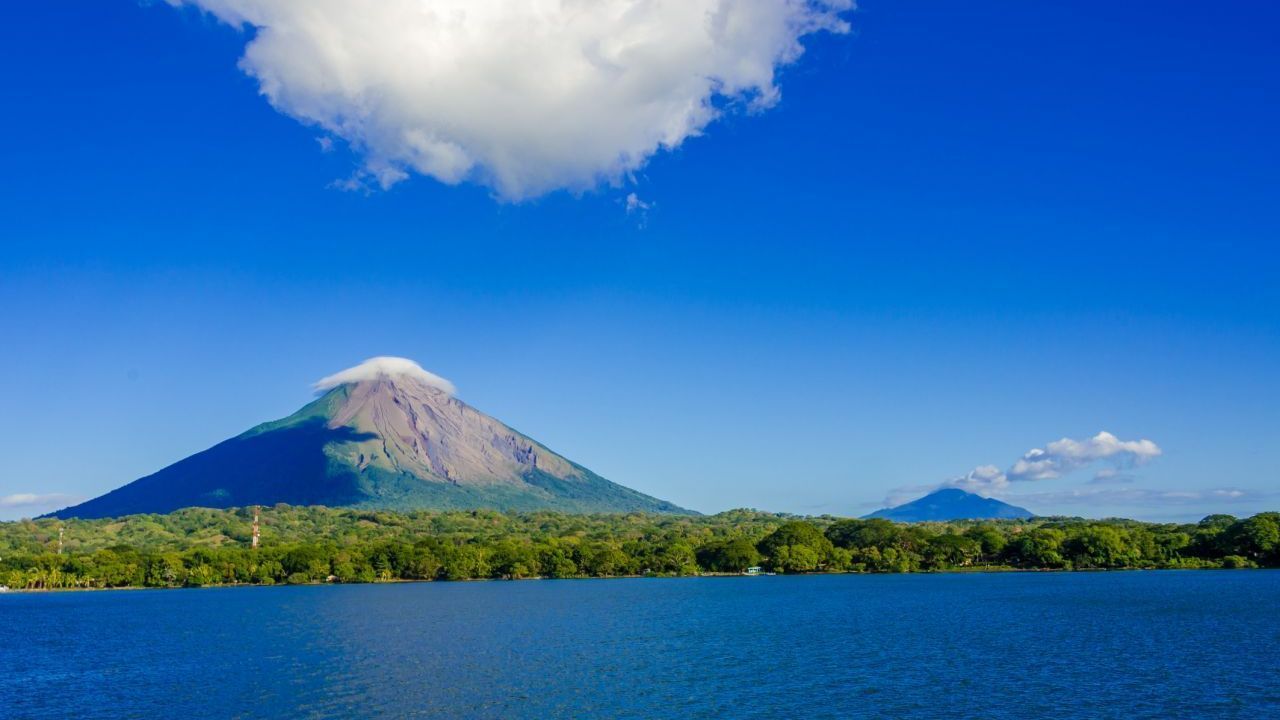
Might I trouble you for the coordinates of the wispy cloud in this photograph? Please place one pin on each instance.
(638, 208)
(525, 97)
(1112, 476)
(37, 501)
(636, 205)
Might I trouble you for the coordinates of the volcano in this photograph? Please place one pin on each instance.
(952, 504)
(385, 434)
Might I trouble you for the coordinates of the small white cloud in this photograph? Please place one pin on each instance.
(385, 367)
(326, 143)
(523, 97)
(638, 209)
(984, 480)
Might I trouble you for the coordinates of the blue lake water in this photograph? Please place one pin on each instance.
(1017, 645)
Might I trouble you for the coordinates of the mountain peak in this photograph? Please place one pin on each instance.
(384, 434)
(951, 504)
(385, 367)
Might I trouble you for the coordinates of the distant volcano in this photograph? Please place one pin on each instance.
(385, 434)
(952, 504)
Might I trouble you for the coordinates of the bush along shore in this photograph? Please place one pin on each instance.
(203, 547)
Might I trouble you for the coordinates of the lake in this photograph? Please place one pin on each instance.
(1192, 644)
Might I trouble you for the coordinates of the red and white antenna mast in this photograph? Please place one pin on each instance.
(255, 527)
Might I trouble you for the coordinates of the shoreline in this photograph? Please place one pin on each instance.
(399, 581)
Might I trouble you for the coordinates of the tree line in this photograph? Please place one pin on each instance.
(202, 547)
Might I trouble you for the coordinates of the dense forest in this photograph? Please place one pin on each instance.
(201, 547)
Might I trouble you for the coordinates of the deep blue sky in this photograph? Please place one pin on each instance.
(967, 230)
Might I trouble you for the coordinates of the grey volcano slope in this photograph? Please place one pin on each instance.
(952, 504)
(392, 441)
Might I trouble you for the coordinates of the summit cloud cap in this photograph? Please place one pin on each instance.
(385, 367)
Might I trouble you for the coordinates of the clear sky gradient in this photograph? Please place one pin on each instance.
(967, 230)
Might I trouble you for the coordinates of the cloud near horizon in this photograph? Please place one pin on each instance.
(1110, 486)
(524, 98)
(40, 501)
(1093, 496)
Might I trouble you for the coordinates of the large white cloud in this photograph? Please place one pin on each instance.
(1059, 458)
(525, 97)
(1062, 456)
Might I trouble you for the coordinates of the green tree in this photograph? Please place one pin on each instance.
(1099, 546)
(873, 532)
(466, 562)
(795, 559)
(513, 560)
(728, 555)
(556, 562)
(990, 541)
(1039, 548)
(1257, 538)
(676, 558)
(602, 560)
(949, 550)
(796, 546)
